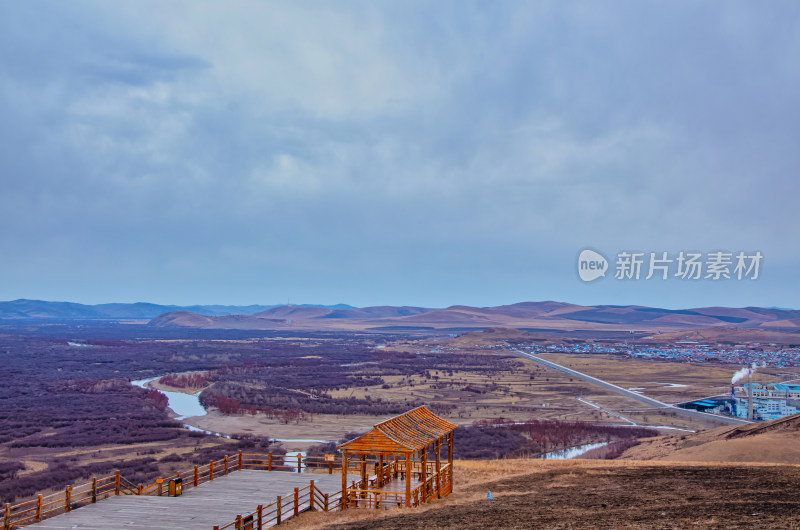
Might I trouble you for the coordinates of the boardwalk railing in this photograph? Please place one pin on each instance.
(285, 506)
(45, 506)
(358, 495)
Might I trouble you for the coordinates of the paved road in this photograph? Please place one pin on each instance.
(726, 420)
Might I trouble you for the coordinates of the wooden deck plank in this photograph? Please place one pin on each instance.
(201, 508)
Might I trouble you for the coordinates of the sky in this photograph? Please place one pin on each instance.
(398, 153)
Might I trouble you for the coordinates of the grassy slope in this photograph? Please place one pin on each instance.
(776, 441)
(718, 479)
(591, 493)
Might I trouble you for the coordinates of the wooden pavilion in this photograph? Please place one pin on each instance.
(413, 436)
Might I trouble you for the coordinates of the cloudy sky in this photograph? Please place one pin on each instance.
(421, 153)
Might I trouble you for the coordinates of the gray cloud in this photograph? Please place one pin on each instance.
(426, 153)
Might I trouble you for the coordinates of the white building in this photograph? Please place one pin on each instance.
(769, 401)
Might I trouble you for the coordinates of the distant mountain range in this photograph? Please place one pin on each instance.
(539, 316)
(140, 310)
(763, 324)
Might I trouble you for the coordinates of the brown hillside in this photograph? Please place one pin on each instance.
(594, 494)
(776, 441)
(792, 323)
(181, 319)
(730, 334)
(723, 324)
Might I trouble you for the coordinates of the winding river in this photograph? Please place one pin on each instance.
(571, 452)
(188, 406)
(184, 405)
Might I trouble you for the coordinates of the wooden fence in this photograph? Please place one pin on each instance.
(358, 494)
(45, 506)
(301, 500)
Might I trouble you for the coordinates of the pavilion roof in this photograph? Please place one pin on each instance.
(408, 432)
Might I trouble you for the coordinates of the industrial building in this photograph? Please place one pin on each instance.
(769, 401)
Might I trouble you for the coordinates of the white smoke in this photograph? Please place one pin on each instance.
(744, 372)
(740, 374)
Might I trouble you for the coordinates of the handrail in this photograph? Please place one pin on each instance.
(285, 506)
(309, 497)
(44, 506)
(358, 495)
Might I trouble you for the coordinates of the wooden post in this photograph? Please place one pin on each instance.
(160, 482)
(408, 480)
(260, 516)
(240, 461)
(379, 474)
(450, 460)
(94, 490)
(196, 476)
(438, 446)
(363, 484)
(116, 483)
(326, 503)
(278, 509)
(330, 467)
(269, 462)
(423, 475)
(140, 490)
(344, 480)
(311, 495)
(67, 495)
(38, 508)
(211, 471)
(7, 517)
(299, 462)
(226, 465)
(238, 523)
(296, 501)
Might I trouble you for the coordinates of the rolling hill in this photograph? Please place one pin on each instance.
(772, 441)
(39, 309)
(735, 324)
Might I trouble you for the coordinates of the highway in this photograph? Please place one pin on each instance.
(726, 420)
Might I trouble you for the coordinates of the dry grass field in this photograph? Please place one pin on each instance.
(656, 377)
(520, 391)
(774, 441)
(595, 494)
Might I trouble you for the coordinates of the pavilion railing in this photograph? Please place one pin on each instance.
(285, 506)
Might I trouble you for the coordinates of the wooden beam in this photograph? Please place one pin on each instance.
(380, 471)
(344, 479)
(423, 475)
(450, 458)
(408, 480)
(364, 484)
(438, 448)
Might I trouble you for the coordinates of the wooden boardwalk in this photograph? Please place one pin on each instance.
(212, 503)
